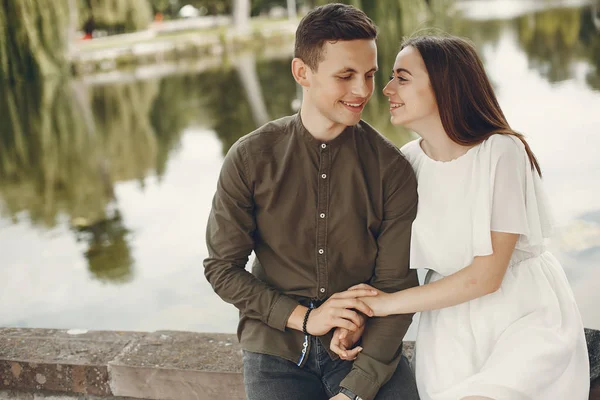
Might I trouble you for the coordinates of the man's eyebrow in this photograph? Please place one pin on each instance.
(398, 70)
(352, 70)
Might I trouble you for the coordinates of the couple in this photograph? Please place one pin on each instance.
(330, 208)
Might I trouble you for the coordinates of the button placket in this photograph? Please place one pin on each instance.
(322, 208)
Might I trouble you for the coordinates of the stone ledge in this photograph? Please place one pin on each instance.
(101, 364)
(51, 364)
(44, 395)
(47, 359)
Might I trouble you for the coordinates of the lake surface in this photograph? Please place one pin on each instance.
(106, 184)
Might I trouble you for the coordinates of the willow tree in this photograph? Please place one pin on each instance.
(62, 148)
(122, 116)
(551, 40)
(34, 36)
(48, 153)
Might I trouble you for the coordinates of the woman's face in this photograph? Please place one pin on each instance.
(412, 101)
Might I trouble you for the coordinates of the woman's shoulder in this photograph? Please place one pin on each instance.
(411, 150)
(502, 145)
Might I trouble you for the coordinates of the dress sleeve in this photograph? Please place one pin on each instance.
(518, 203)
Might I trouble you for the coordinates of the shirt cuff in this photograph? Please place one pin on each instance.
(360, 384)
(280, 313)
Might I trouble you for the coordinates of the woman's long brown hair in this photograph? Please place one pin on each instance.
(468, 107)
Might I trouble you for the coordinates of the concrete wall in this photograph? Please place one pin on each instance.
(53, 364)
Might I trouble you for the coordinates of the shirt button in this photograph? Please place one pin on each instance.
(323, 146)
(324, 176)
(321, 251)
(322, 215)
(322, 290)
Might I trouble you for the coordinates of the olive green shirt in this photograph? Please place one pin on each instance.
(320, 217)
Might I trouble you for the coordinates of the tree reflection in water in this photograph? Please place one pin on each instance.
(108, 252)
(64, 145)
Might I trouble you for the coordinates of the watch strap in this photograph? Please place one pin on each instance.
(349, 394)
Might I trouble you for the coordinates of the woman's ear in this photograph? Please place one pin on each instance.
(300, 71)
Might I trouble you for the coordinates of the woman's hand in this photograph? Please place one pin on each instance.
(341, 310)
(379, 303)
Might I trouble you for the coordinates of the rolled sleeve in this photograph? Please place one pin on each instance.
(361, 383)
(281, 311)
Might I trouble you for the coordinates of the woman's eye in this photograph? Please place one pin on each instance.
(401, 79)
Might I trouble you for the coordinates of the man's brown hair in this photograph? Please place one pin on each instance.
(331, 22)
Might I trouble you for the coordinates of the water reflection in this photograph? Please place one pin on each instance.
(552, 40)
(107, 251)
(90, 157)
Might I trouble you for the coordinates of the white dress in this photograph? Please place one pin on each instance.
(524, 341)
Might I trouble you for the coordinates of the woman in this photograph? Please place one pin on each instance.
(498, 318)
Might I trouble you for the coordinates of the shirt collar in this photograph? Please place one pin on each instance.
(305, 134)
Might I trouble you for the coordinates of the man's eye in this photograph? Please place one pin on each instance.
(346, 77)
(370, 76)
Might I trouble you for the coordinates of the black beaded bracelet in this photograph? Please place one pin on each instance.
(305, 321)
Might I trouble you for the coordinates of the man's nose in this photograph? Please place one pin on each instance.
(361, 88)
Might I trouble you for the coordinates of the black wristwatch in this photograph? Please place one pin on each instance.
(350, 394)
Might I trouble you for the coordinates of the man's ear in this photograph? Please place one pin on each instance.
(301, 72)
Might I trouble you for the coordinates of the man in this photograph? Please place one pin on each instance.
(325, 202)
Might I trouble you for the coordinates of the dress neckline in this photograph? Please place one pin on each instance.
(453, 161)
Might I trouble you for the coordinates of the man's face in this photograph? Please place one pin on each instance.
(343, 83)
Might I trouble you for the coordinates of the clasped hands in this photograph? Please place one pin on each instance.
(347, 313)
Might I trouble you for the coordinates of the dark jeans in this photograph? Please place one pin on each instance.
(269, 377)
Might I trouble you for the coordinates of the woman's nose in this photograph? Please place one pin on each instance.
(387, 90)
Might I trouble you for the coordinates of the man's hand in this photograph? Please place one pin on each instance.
(339, 312)
(343, 341)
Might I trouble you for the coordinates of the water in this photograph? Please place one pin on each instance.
(105, 186)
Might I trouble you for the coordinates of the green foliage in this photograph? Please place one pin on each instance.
(108, 252)
(47, 152)
(117, 16)
(161, 6)
(62, 148)
(550, 39)
(122, 115)
(33, 39)
(589, 36)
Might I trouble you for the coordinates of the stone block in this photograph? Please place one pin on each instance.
(179, 366)
(57, 360)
